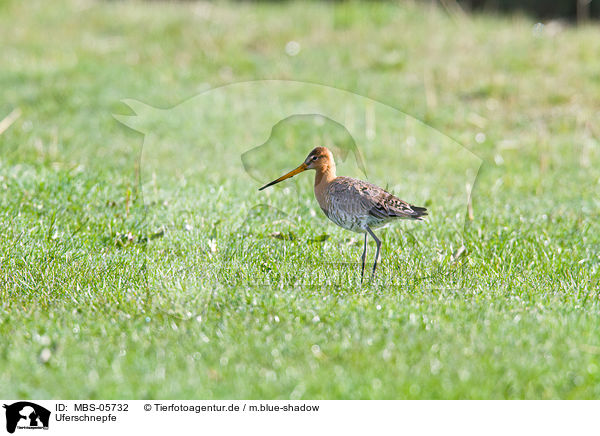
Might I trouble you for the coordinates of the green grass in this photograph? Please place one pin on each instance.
(173, 288)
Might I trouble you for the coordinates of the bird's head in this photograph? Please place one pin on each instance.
(319, 159)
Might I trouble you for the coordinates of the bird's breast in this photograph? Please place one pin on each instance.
(346, 220)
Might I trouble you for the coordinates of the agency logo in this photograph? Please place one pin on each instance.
(26, 415)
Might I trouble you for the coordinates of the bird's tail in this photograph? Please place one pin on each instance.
(419, 213)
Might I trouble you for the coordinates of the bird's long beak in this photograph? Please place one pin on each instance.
(286, 176)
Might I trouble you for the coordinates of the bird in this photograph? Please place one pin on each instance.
(351, 203)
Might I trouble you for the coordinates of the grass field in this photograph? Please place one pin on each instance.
(171, 287)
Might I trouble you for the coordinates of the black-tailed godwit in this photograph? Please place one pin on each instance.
(353, 204)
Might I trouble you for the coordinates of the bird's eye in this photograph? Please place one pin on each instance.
(315, 157)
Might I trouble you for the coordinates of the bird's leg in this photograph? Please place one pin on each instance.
(378, 242)
(364, 257)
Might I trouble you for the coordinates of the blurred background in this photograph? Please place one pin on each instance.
(515, 82)
(574, 9)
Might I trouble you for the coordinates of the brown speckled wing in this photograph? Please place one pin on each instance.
(364, 200)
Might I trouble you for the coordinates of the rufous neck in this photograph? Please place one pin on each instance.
(324, 176)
